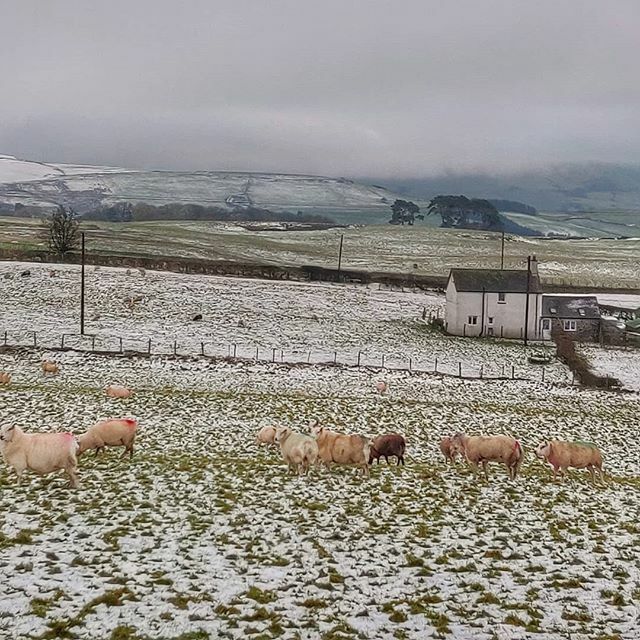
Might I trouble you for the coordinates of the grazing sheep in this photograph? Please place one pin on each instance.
(299, 451)
(446, 446)
(118, 391)
(391, 444)
(53, 273)
(381, 387)
(339, 448)
(41, 453)
(266, 436)
(48, 366)
(5, 378)
(485, 449)
(579, 455)
(110, 433)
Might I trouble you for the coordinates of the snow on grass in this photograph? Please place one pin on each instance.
(622, 364)
(204, 533)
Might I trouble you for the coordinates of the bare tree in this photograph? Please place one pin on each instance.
(63, 230)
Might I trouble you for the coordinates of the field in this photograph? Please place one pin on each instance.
(204, 535)
(416, 250)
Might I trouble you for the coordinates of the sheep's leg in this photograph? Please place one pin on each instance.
(484, 468)
(19, 473)
(386, 459)
(73, 476)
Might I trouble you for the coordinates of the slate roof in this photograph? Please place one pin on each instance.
(494, 280)
(570, 307)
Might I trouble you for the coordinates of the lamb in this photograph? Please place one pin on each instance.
(446, 446)
(485, 449)
(110, 433)
(579, 455)
(118, 391)
(381, 387)
(298, 450)
(5, 378)
(339, 448)
(48, 366)
(391, 444)
(41, 453)
(266, 436)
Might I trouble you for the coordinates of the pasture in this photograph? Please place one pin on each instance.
(203, 534)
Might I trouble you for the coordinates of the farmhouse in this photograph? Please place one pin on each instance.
(494, 302)
(577, 316)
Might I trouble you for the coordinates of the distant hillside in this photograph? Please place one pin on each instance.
(86, 188)
(566, 188)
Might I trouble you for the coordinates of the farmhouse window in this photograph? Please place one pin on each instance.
(569, 325)
(490, 331)
(502, 297)
(490, 319)
(472, 320)
(546, 324)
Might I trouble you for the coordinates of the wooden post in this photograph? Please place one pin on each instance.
(175, 347)
(502, 252)
(526, 303)
(62, 342)
(542, 374)
(513, 372)
(340, 257)
(93, 343)
(359, 352)
(274, 356)
(459, 369)
(383, 360)
(435, 367)
(120, 345)
(410, 363)
(201, 348)
(257, 353)
(149, 347)
(35, 339)
(335, 357)
(5, 338)
(481, 371)
(82, 289)
(235, 347)
(308, 357)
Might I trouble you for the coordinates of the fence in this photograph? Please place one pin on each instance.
(147, 347)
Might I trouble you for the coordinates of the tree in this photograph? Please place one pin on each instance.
(462, 213)
(405, 212)
(63, 230)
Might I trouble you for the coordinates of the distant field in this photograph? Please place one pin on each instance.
(420, 249)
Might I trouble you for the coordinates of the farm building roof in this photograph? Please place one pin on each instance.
(570, 307)
(495, 280)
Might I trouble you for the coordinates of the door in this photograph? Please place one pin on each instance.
(546, 328)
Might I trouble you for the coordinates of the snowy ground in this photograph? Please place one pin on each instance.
(203, 535)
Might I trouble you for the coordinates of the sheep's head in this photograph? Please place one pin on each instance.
(282, 433)
(316, 428)
(543, 450)
(6, 434)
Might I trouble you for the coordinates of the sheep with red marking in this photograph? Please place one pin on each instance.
(41, 453)
(446, 446)
(340, 448)
(484, 449)
(118, 391)
(110, 433)
(266, 436)
(390, 444)
(5, 378)
(580, 455)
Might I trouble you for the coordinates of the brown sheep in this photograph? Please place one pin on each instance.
(391, 444)
(485, 449)
(579, 455)
(339, 448)
(48, 366)
(446, 446)
(5, 378)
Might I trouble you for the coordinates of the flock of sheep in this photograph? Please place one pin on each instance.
(45, 453)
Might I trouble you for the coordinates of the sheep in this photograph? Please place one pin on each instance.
(339, 448)
(391, 444)
(446, 446)
(48, 366)
(298, 450)
(266, 436)
(5, 378)
(41, 453)
(118, 391)
(562, 455)
(381, 388)
(142, 271)
(109, 433)
(485, 449)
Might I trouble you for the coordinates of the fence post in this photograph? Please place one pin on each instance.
(481, 371)
(62, 342)
(273, 359)
(5, 338)
(120, 345)
(35, 341)
(257, 353)
(435, 366)
(359, 352)
(335, 357)
(542, 374)
(175, 347)
(281, 356)
(410, 363)
(308, 357)
(93, 343)
(513, 372)
(235, 347)
(149, 347)
(201, 348)
(459, 369)
(503, 370)
(383, 360)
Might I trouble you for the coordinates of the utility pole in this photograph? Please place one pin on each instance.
(526, 304)
(340, 257)
(502, 253)
(82, 290)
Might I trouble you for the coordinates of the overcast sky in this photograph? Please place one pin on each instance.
(337, 87)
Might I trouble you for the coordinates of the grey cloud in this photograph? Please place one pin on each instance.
(360, 87)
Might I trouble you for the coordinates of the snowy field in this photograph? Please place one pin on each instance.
(203, 535)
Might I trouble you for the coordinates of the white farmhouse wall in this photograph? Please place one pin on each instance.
(507, 317)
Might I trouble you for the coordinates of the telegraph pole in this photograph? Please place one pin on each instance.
(502, 252)
(340, 256)
(82, 290)
(526, 304)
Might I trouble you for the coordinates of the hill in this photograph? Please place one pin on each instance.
(87, 187)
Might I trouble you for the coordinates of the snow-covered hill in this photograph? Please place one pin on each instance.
(86, 187)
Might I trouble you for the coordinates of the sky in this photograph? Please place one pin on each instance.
(398, 88)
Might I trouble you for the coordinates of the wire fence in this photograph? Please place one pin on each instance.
(148, 347)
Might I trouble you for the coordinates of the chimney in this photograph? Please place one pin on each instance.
(533, 266)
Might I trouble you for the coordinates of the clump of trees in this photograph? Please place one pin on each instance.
(405, 212)
(62, 230)
(514, 205)
(460, 212)
(142, 211)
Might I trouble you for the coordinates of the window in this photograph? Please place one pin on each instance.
(490, 331)
(569, 325)
(472, 319)
(546, 324)
(490, 319)
(502, 298)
